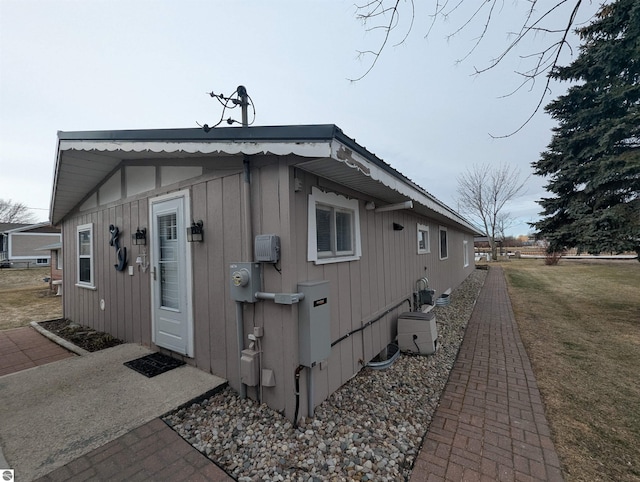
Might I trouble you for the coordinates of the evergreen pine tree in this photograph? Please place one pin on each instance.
(593, 160)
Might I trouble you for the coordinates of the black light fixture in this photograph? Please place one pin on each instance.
(397, 227)
(140, 237)
(195, 232)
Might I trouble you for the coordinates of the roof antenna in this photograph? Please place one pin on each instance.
(241, 99)
(244, 103)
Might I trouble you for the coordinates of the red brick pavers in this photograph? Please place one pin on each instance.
(22, 348)
(151, 452)
(490, 424)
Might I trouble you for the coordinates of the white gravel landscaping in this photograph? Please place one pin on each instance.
(370, 429)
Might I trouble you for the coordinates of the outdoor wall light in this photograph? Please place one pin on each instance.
(397, 227)
(140, 237)
(195, 232)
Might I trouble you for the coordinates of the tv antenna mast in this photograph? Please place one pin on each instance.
(242, 100)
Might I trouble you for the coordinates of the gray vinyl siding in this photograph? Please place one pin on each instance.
(359, 290)
(384, 276)
(127, 313)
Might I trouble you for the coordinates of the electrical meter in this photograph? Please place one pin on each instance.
(245, 281)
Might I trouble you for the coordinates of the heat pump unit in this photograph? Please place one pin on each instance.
(417, 332)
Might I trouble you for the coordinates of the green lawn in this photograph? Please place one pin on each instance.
(580, 323)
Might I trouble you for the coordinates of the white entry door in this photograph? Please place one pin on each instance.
(171, 275)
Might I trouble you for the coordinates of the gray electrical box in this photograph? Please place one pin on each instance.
(314, 327)
(245, 281)
(267, 248)
(249, 368)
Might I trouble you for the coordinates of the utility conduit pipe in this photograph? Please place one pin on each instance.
(240, 334)
(297, 380)
(280, 298)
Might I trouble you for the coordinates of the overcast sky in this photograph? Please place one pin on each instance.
(92, 65)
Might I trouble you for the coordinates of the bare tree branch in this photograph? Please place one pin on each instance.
(546, 60)
(553, 66)
(376, 11)
(15, 212)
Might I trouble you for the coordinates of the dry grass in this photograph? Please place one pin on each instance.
(580, 323)
(25, 297)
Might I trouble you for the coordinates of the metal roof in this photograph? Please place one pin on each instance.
(20, 228)
(85, 158)
(51, 247)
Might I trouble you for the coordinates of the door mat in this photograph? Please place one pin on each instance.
(154, 364)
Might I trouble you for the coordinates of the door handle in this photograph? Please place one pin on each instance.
(154, 273)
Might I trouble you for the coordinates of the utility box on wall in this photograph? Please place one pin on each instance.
(245, 281)
(267, 248)
(314, 327)
(249, 368)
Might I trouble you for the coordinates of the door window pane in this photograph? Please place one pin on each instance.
(168, 243)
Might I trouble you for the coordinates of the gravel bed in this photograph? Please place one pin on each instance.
(369, 429)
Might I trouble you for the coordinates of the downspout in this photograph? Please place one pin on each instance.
(240, 334)
(310, 392)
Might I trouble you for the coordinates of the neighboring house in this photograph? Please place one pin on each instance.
(341, 215)
(20, 244)
(55, 253)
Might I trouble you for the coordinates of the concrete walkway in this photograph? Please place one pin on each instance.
(490, 424)
(56, 413)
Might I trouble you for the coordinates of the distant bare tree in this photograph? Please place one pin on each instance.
(504, 222)
(14, 212)
(483, 193)
(553, 19)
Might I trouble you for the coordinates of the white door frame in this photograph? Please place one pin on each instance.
(153, 263)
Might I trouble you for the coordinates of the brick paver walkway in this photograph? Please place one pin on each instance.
(22, 348)
(490, 424)
(150, 452)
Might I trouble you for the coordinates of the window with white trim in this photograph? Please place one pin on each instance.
(85, 255)
(59, 259)
(334, 228)
(444, 242)
(424, 243)
(42, 261)
(465, 252)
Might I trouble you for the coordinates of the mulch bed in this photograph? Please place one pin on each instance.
(82, 336)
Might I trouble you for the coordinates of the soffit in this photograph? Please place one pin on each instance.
(83, 164)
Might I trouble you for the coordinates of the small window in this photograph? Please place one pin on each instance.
(42, 261)
(334, 228)
(424, 244)
(85, 255)
(59, 259)
(444, 243)
(465, 252)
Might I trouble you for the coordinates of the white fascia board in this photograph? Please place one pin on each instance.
(27, 228)
(342, 153)
(302, 149)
